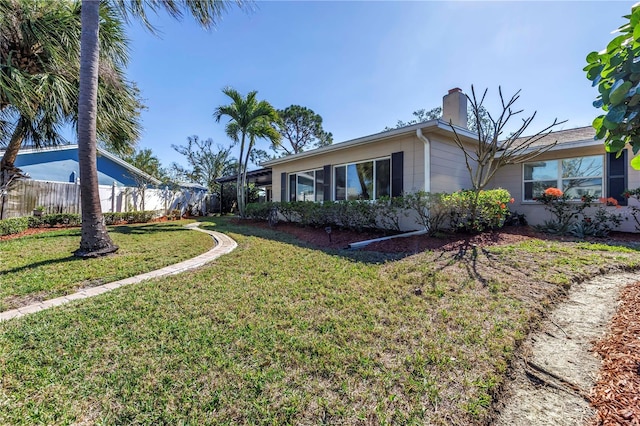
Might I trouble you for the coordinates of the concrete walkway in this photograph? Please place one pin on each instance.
(224, 245)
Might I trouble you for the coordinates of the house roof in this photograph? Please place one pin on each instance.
(192, 185)
(101, 152)
(259, 176)
(570, 138)
(432, 126)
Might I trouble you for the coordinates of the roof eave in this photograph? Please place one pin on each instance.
(102, 152)
(432, 125)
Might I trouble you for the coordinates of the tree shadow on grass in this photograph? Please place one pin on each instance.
(70, 258)
(150, 228)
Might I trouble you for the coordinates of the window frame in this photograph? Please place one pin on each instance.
(297, 182)
(560, 179)
(373, 162)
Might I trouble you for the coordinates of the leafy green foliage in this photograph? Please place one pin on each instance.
(18, 224)
(51, 220)
(429, 209)
(148, 162)
(435, 212)
(473, 123)
(615, 71)
(476, 211)
(249, 119)
(13, 225)
(302, 129)
(571, 217)
(40, 39)
(206, 164)
(112, 218)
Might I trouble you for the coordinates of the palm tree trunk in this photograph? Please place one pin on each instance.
(94, 241)
(245, 187)
(11, 153)
(7, 168)
(239, 180)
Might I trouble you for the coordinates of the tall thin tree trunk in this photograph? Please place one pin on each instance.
(11, 153)
(94, 241)
(8, 172)
(239, 180)
(245, 187)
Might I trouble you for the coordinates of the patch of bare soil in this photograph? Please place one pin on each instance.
(551, 382)
(617, 393)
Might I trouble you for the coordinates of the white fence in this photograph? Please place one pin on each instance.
(25, 195)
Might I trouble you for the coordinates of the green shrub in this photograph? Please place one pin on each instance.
(112, 218)
(67, 219)
(288, 210)
(174, 214)
(354, 215)
(430, 210)
(570, 217)
(472, 211)
(388, 212)
(13, 225)
(259, 211)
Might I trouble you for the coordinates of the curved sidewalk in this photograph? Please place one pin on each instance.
(224, 245)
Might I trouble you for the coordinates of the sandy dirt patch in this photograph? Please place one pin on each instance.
(550, 383)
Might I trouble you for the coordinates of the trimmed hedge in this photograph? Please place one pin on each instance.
(488, 211)
(434, 211)
(128, 217)
(15, 225)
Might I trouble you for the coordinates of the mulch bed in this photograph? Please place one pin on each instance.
(616, 396)
(34, 231)
(340, 239)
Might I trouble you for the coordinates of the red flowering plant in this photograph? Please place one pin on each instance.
(564, 209)
(569, 215)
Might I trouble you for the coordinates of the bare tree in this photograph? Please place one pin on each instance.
(491, 153)
(484, 158)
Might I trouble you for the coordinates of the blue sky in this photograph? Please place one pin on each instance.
(364, 65)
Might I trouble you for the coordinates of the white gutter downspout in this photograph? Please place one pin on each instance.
(427, 160)
(427, 188)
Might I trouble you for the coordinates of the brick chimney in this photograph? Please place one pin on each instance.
(454, 107)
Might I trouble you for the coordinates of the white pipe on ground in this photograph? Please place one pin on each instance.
(427, 188)
(361, 244)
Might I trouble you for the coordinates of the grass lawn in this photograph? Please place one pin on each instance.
(280, 333)
(41, 266)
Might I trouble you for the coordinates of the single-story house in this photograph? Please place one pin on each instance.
(424, 157)
(54, 177)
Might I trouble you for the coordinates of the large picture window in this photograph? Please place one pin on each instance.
(306, 186)
(576, 177)
(367, 180)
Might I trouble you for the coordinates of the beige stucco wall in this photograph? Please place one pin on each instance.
(413, 160)
(448, 170)
(511, 177)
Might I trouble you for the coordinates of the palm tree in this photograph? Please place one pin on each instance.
(249, 119)
(95, 240)
(39, 50)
